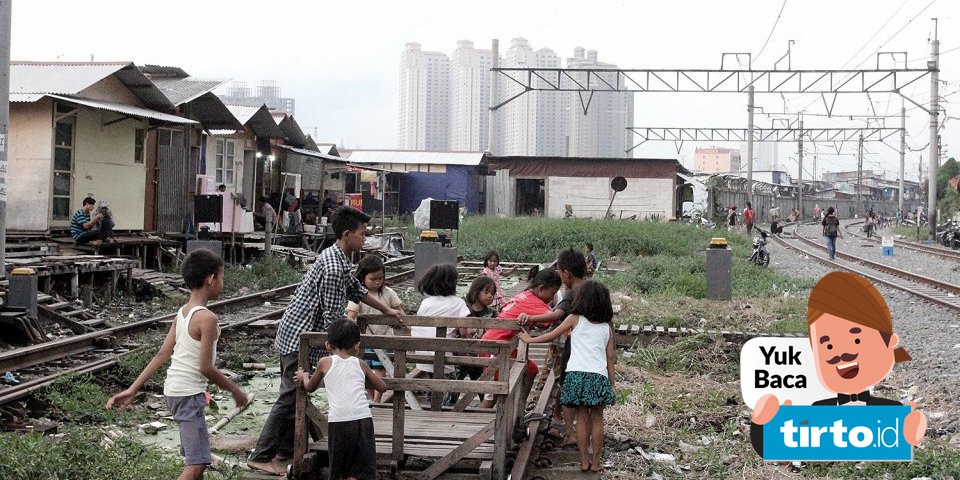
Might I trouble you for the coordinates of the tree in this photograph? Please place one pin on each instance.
(948, 199)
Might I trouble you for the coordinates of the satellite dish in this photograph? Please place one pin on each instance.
(618, 184)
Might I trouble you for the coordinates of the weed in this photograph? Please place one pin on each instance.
(80, 399)
(129, 367)
(76, 454)
(261, 274)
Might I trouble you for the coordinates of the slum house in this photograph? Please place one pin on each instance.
(318, 176)
(547, 185)
(173, 154)
(456, 176)
(79, 129)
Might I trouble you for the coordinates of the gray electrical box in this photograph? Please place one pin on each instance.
(719, 286)
(428, 254)
(23, 290)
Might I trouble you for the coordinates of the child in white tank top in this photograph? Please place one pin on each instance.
(590, 380)
(191, 347)
(350, 437)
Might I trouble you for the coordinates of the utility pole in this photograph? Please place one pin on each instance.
(934, 66)
(859, 175)
(750, 144)
(6, 13)
(494, 197)
(903, 149)
(800, 169)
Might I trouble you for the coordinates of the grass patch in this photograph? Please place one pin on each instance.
(129, 367)
(78, 398)
(77, 454)
(935, 459)
(261, 274)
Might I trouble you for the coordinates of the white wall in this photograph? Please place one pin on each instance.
(28, 179)
(590, 197)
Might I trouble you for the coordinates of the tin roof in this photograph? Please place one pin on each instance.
(414, 157)
(71, 78)
(312, 153)
(292, 133)
(122, 109)
(183, 90)
(258, 119)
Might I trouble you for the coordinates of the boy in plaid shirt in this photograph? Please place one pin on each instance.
(320, 299)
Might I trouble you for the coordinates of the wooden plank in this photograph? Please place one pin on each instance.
(502, 436)
(436, 397)
(451, 322)
(398, 410)
(466, 398)
(454, 360)
(434, 385)
(455, 345)
(300, 420)
(458, 453)
(388, 366)
(526, 448)
(47, 313)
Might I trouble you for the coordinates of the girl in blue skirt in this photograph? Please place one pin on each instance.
(590, 382)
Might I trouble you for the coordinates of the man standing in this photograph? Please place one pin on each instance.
(831, 230)
(85, 229)
(748, 218)
(320, 299)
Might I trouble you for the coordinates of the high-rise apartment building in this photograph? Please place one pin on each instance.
(717, 160)
(469, 97)
(602, 131)
(531, 122)
(424, 122)
(765, 156)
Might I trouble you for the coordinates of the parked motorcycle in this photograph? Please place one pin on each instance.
(760, 255)
(948, 235)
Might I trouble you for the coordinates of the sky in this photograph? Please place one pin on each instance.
(340, 60)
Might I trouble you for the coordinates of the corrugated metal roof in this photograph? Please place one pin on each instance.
(328, 148)
(292, 133)
(312, 153)
(258, 119)
(414, 157)
(243, 113)
(125, 109)
(183, 90)
(223, 132)
(25, 97)
(212, 113)
(71, 78)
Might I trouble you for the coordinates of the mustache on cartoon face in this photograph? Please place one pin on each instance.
(846, 357)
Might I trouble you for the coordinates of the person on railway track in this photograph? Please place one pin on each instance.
(590, 381)
(191, 348)
(351, 443)
(373, 274)
(831, 230)
(320, 300)
(748, 216)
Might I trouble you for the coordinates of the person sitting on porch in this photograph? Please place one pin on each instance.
(95, 230)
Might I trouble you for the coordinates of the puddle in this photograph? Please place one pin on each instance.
(264, 385)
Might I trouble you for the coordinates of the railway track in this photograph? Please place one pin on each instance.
(933, 290)
(938, 251)
(39, 365)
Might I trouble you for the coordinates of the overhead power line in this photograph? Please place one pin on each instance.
(775, 22)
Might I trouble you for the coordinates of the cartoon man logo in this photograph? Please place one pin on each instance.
(854, 348)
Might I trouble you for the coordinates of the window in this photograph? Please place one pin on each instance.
(226, 161)
(138, 142)
(63, 142)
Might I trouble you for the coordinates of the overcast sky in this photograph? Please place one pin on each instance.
(340, 60)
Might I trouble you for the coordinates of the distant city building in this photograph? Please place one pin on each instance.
(267, 92)
(717, 160)
(424, 122)
(469, 97)
(444, 105)
(602, 132)
(531, 122)
(765, 156)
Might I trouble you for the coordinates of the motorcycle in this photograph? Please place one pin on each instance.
(760, 254)
(948, 235)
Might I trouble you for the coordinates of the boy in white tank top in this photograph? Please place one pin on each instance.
(350, 437)
(191, 347)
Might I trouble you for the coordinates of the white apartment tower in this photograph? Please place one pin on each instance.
(470, 97)
(424, 122)
(602, 132)
(531, 122)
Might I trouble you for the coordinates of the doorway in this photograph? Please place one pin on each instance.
(530, 196)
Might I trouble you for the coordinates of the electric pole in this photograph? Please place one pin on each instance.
(934, 66)
(750, 144)
(903, 149)
(6, 12)
(800, 169)
(859, 175)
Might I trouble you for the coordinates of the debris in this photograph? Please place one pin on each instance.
(651, 421)
(688, 449)
(705, 440)
(9, 379)
(663, 458)
(255, 366)
(152, 427)
(639, 451)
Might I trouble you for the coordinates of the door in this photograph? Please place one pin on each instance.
(173, 180)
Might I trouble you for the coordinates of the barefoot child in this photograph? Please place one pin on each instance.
(372, 273)
(590, 382)
(491, 268)
(479, 298)
(350, 437)
(191, 347)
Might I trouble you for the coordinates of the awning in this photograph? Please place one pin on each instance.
(127, 110)
(312, 154)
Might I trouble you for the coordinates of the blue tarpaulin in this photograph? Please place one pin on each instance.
(458, 183)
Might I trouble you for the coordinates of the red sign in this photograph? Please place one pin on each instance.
(355, 200)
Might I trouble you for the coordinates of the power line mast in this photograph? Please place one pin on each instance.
(5, 20)
(800, 168)
(903, 148)
(934, 66)
(859, 175)
(750, 144)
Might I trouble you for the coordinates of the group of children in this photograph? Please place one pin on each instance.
(581, 312)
